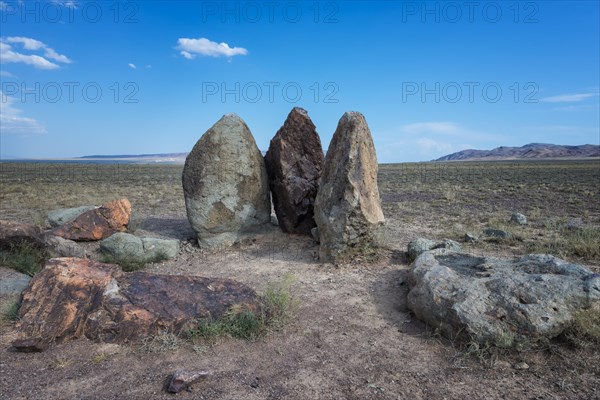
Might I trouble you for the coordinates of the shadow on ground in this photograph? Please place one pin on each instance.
(167, 228)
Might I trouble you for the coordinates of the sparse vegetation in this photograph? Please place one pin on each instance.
(131, 264)
(11, 311)
(277, 306)
(24, 257)
(61, 363)
(436, 201)
(100, 357)
(162, 342)
(584, 330)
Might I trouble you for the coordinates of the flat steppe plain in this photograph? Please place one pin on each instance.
(352, 336)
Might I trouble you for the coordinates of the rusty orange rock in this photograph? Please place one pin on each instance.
(73, 298)
(97, 224)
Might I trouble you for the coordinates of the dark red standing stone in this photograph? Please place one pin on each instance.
(294, 164)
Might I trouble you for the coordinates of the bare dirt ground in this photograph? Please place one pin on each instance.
(352, 336)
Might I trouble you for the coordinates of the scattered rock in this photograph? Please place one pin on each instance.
(469, 238)
(72, 298)
(64, 215)
(225, 184)
(294, 164)
(12, 282)
(57, 246)
(98, 223)
(501, 301)
(521, 366)
(124, 246)
(518, 218)
(420, 245)
(497, 234)
(347, 206)
(182, 379)
(15, 233)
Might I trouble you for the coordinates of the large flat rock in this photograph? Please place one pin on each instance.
(73, 298)
(500, 301)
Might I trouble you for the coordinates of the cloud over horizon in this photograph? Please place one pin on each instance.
(11, 122)
(190, 48)
(569, 98)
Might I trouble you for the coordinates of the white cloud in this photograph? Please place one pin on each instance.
(190, 48)
(187, 55)
(569, 98)
(67, 3)
(6, 74)
(50, 53)
(28, 43)
(9, 55)
(12, 123)
(132, 66)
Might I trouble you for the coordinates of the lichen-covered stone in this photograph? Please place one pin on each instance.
(347, 206)
(72, 298)
(225, 184)
(500, 301)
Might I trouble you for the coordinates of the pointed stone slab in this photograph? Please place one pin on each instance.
(347, 207)
(225, 184)
(294, 164)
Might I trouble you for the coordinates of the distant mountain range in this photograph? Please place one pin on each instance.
(529, 151)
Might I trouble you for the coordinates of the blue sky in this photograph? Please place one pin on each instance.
(431, 78)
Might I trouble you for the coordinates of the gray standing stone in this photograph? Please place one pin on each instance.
(294, 164)
(124, 246)
(518, 218)
(500, 301)
(64, 215)
(225, 184)
(347, 206)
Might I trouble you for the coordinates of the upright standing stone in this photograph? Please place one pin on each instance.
(225, 184)
(347, 207)
(294, 165)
